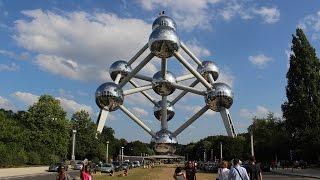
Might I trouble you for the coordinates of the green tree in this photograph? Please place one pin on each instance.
(87, 143)
(48, 129)
(301, 110)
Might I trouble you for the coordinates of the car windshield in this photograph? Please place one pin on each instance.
(79, 162)
(116, 163)
(57, 164)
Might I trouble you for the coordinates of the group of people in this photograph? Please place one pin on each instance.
(237, 172)
(85, 173)
(189, 175)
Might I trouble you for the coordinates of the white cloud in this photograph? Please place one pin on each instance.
(269, 15)
(260, 60)
(70, 106)
(79, 45)
(139, 112)
(311, 23)
(9, 67)
(259, 112)
(27, 98)
(13, 55)
(65, 93)
(6, 104)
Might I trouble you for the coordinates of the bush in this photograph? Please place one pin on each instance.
(34, 158)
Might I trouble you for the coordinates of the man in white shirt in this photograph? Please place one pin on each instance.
(237, 172)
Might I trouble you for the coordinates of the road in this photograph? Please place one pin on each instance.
(75, 173)
(272, 176)
(47, 175)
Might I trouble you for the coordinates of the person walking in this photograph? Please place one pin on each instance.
(254, 170)
(62, 174)
(86, 173)
(190, 171)
(178, 174)
(223, 171)
(237, 172)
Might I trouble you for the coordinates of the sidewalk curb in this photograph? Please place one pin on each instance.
(22, 176)
(299, 175)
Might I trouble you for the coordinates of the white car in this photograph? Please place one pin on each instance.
(78, 166)
(105, 168)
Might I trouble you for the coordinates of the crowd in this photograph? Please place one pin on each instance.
(225, 172)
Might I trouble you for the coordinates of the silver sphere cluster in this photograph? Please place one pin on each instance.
(164, 41)
(108, 96)
(163, 86)
(157, 110)
(219, 97)
(165, 142)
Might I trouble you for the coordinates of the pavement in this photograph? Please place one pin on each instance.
(24, 171)
(28, 171)
(308, 172)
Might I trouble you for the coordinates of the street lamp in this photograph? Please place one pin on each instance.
(73, 158)
(220, 151)
(122, 154)
(252, 149)
(107, 158)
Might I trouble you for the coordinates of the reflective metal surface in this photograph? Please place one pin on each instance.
(164, 21)
(164, 41)
(220, 96)
(108, 96)
(208, 67)
(161, 86)
(165, 142)
(119, 67)
(157, 110)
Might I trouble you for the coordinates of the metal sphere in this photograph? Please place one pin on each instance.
(164, 21)
(108, 96)
(220, 96)
(164, 41)
(161, 86)
(119, 67)
(157, 110)
(208, 67)
(165, 143)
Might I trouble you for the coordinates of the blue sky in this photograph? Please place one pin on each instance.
(65, 49)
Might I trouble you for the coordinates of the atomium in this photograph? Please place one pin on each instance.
(220, 97)
(164, 43)
(163, 86)
(158, 110)
(119, 67)
(108, 96)
(208, 67)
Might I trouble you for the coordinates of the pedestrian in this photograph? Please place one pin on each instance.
(178, 174)
(86, 173)
(62, 174)
(254, 170)
(190, 171)
(223, 171)
(237, 172)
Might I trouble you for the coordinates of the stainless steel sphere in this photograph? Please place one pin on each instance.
(157, 110)
(165, 143)
(108, 96)
(119, 67)
(220, 96)
(164, 41)
(208, 67)
(161, 86)
(164, 21)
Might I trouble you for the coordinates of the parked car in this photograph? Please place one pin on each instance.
(105, 168)
(78, 166)
(136, 163)
(55, 167)
(265, 167)
(125, 165)
(117, 166)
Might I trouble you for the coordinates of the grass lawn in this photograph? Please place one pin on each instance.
(160, 172)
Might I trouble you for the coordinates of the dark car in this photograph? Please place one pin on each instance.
(55, 167)
(117, 166)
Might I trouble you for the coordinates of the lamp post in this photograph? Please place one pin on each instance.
(73, 158)
(211, 155)
(107, 156)
(220, 151)
(122, 154)
(252, 150)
